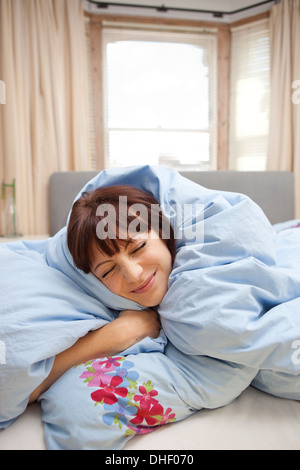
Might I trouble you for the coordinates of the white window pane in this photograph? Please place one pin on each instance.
(160, 99)
(252, 97)
(181, 150)
(152, 84)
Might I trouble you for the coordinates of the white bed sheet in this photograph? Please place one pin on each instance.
(253, 421)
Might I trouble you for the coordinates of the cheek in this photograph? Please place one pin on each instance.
(167, 261)
(113, 284)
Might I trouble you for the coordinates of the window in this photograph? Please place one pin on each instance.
(160, 102)
(249, 97)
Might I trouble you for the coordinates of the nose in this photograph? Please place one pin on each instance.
(132, 271)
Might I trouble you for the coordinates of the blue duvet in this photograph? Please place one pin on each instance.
(231, 314)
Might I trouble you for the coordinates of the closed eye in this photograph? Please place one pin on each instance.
(142, 245)
(107, 272)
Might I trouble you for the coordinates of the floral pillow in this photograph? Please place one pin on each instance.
(125, 402)
(103, 403)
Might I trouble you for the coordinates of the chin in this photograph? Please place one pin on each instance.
(154, 301)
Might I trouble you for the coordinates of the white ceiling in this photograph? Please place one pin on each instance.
(215, 5)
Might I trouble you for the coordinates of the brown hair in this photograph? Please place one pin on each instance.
(84, 220)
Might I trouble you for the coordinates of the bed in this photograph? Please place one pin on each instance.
(255, 420)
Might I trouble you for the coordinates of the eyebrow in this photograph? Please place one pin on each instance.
(100, 264)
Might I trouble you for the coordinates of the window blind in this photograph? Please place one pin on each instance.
(160, 98)
(93, 164)
(249, 96)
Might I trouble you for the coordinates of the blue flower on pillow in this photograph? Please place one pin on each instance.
(119, 413)
(128, 376)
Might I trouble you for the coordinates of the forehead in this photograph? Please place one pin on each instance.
(108, 249)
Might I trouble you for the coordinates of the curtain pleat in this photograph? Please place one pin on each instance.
(284, 141)
(44, 123)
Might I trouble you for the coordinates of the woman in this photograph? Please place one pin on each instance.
(132, 256)
(230, 309)
(228, 296)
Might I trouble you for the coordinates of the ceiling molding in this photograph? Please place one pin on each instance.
(166, 8)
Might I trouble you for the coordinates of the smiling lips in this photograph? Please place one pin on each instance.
(146, 286)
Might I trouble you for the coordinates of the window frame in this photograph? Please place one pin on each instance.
(207, 39)
(95, 26)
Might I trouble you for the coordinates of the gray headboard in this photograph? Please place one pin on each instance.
(272, 191)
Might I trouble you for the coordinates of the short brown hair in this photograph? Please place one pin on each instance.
(82, 227)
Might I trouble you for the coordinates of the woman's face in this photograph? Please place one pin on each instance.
(139, 272)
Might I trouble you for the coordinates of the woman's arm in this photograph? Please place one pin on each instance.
(129, 328)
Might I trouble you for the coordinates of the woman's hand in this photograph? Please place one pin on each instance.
(141, 323)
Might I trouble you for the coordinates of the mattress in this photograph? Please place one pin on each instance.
(254, 421)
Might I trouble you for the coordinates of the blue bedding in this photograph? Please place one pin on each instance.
(231, 316)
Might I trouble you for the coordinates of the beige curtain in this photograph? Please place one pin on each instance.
(44, 123)
(284, 145)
